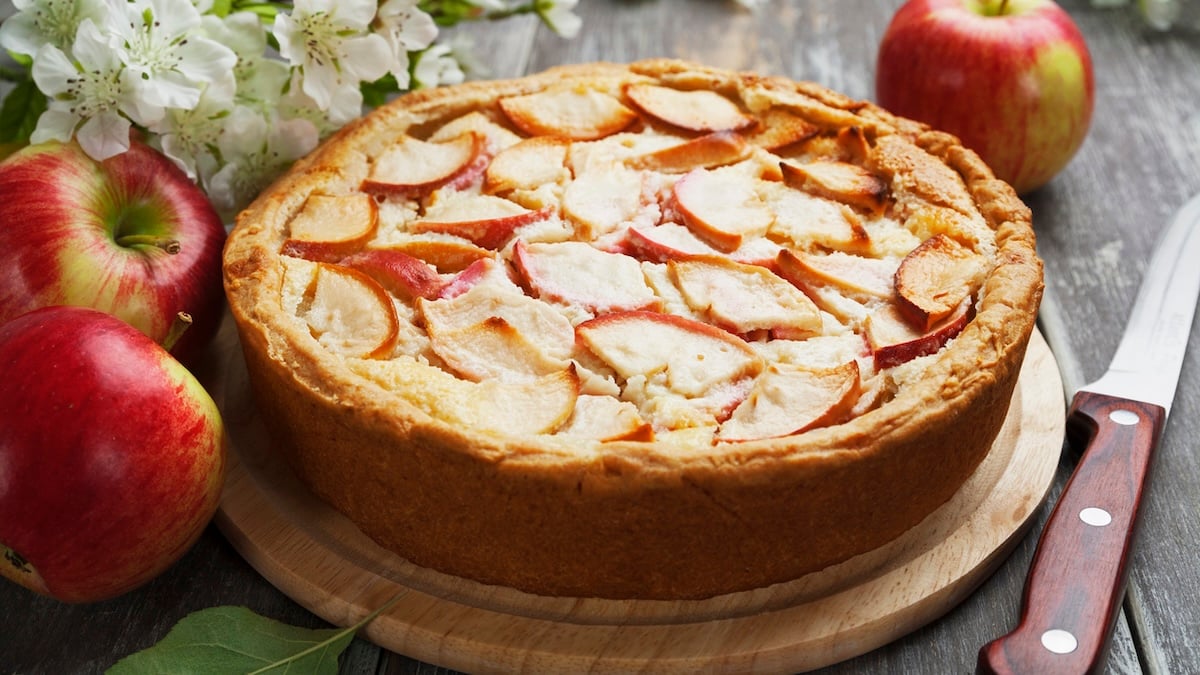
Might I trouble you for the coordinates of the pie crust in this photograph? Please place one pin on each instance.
(414, 447)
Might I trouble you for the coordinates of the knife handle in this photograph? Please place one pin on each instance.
(1077, 578)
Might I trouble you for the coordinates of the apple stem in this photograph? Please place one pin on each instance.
(165, 243)
(182, 322)
(1003, 7)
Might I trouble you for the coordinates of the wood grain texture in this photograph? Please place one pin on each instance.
(318, 557)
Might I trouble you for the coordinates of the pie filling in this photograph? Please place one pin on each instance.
(642, 264)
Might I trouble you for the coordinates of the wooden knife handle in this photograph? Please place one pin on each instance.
(1077, 578)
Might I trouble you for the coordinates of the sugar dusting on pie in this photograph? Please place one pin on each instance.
(604, 295)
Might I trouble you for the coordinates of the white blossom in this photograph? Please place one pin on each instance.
(406, 29)
(168, 62)
(328, 40)
(560, 16)
(88, 97)
(41, 22)
(437, 66)
(254, 151)
(260, 79)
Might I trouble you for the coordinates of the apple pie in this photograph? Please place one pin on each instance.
(652, 330)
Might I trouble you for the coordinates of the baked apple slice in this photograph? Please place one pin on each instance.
(893, 340)
(349, 313)
(497, 137)
(697, 110)
(779, 128)
(809, 221)
(329, 227)
(486, 221)
(862, 278)
(744, 299)
(669, 241)
(600, 202)
(413, 168)
(935, 278)
(693, 358)
(839, 181)
(533, 162)
(492, 348)
(399, 273)
(605, 418)
(573, 113)
(719, 148)
(722, 207)
(578, 274)
(447, 256)
(547, 330)
(497, 406)
(790, 399)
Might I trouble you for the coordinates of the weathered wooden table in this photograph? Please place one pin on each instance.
(1096, 222)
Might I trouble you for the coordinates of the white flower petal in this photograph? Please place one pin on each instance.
(54, 125)
(104, 136)
(366, 58)
(52, 70)
(356, 14)
(320, 85)
(93, 49)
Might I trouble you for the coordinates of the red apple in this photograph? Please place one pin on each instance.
(1011, 78)
(131, 236)
(113, 455)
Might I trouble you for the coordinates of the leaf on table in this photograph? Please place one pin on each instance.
(223, 640)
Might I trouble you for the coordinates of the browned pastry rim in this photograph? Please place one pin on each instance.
(632, 521)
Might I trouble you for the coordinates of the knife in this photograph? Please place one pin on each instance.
(1077, 579)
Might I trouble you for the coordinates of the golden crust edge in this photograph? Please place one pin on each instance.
(724, 490)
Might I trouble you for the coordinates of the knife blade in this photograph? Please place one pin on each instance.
(1077, 578)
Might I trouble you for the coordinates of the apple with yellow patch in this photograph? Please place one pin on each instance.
(1013, 79)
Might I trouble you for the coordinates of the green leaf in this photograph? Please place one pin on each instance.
(20, 111)
(223, 640)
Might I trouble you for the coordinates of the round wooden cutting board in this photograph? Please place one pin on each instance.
(322, 561)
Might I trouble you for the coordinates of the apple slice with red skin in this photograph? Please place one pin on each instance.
(672, 241)
(893, 340)
(744, 298)
(349, 312)
(722, 208)
(571, 113)
(839, 181)
(605, 418)
(113, 455)
(789, 399)
(330, 227)
(719, 148)
(413, 168)
(399, 273)
(697, 110)
(576, 273)
(446, 256)
(668, 241)
(467, 279)
(486, 221)
(693, 356)
(935, 278)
